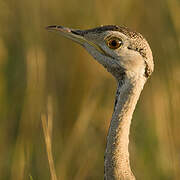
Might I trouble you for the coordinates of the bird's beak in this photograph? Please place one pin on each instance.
(75, 35)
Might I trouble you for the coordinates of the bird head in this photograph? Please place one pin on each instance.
(118, 49)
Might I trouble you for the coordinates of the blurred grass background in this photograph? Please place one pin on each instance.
(36, 64)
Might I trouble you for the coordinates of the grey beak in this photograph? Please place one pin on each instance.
(76, 35)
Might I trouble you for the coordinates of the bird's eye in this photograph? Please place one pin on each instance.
(114, 42)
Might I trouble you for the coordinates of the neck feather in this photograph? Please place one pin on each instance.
(117, 164)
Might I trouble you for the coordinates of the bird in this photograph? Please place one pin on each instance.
(127, 55)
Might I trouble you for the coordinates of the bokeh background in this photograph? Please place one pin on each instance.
(39, 69)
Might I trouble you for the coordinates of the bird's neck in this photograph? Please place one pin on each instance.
(117, 165)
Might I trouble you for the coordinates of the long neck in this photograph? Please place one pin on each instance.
(117, 164)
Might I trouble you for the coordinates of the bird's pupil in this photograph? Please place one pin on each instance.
(114, 43)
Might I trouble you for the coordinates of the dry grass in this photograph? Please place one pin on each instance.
(47, 124)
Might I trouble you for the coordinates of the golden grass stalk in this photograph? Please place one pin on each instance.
(47, 121)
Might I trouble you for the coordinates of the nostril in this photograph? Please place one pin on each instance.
(52, 27)
(77, 32)
(59, 27)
